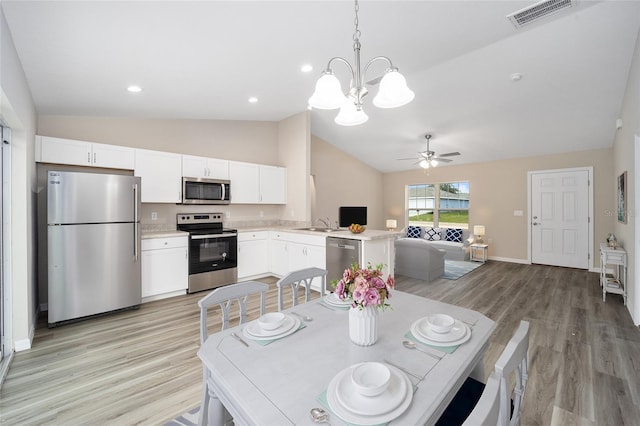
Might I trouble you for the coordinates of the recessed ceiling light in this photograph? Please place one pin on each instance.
(306, 68)
(134, 89)
(516, 76)
(253, 100)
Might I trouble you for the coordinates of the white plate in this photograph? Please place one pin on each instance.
(424, 339)
(334, 300)
(349, 416)
(253, 331)
(388, 400)
(457, 332)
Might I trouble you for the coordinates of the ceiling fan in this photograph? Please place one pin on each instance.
(427, 159)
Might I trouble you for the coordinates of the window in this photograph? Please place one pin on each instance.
(444, 205)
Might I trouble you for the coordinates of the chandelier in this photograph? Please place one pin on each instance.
(328, 93)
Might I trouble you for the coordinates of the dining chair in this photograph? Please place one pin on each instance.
(224, 297)
(301, 277)
(513, 359)
(487, 410)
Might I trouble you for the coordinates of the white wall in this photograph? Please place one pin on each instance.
(18, 112)
(623, 160)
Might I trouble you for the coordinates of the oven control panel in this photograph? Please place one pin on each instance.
(198, 218)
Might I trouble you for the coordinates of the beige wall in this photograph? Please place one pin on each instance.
(498, 188)
(342, 180)
(624, 151)
(18, 112)
(294, 146)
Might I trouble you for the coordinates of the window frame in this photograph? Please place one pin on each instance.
(437, 208)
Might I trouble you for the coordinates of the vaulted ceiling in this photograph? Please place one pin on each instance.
(204, 59)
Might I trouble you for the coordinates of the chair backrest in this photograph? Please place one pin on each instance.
(301, 277)
(224, 296)
(487, 410)
(514, 359)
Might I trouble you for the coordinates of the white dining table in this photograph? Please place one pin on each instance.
(279, 383)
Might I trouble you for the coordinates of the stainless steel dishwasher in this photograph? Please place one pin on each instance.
(341, 253)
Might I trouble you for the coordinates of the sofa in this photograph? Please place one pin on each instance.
(416, 258)
(454, 241)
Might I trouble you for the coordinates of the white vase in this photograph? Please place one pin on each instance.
(363, 325)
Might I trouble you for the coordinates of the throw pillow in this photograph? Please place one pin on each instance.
(414, 232)
(433, 234)
(454, 235)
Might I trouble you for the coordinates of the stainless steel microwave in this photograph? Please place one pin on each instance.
(205, 191)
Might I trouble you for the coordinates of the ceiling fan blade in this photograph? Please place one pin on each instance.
(412, 158)
(450, 154)
(442, 160)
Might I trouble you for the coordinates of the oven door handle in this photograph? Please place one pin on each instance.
(223, 235)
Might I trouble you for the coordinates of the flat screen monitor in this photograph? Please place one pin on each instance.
(349, 215)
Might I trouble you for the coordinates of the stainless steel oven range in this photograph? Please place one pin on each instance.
(213, 251)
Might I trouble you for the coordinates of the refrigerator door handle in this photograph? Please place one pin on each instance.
(135, 222)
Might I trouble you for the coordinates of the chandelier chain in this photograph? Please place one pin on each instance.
(356, 34)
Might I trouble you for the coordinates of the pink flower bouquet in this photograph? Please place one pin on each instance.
(364, 286)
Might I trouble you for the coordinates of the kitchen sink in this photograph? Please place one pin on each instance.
(317, 229)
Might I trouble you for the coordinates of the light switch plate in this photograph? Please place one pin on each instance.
(518, 213)
(154, 215)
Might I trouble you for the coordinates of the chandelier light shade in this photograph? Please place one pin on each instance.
(328, 93)
(392, 93)
(349, 115)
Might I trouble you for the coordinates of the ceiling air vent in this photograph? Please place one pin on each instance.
(538, 11)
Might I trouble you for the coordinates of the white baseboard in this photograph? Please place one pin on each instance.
(163, 296)
(23, 345)
(510, 260)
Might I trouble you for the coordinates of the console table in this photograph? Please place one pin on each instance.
(617, 282)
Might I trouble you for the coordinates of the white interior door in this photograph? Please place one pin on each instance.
(560, 212)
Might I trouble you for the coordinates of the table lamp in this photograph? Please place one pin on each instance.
(478, 231)
(392, 224)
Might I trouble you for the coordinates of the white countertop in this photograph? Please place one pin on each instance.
(368, 234)
(163, 234)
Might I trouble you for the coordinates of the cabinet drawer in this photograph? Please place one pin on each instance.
(164, 243)
(319, 240)
(251, 236)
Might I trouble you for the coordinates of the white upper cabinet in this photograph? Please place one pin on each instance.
(273, 185)
(82, 153)
(245, 182)
(257, 184)
(203, 167)
(161, 175)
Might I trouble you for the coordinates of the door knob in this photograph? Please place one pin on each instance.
(535, 223)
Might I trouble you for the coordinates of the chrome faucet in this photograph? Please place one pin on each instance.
(325, 223)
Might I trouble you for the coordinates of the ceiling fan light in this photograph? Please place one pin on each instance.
(350, 115)
(394, 91)
(433, 163)
(424, 164)
(328, 93)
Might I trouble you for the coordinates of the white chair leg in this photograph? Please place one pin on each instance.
(212, 412)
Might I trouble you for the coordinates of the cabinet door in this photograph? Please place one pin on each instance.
(245, 185)
(279, 257)
(217, 169)
(252, 258)
(194, 166)
(273, 185)
(164, 271)
(161, 174)
(112, 156)
(64, 151)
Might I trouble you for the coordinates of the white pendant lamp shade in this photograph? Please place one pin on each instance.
(328, 93)
(393, 92)
(349, 114)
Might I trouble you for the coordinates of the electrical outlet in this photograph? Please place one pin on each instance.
(261, 213)
(227, 215)
(154, 215)
(518, 212)
(293, 214)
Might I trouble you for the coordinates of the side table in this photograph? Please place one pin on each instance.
(479, 252)
(617, 282)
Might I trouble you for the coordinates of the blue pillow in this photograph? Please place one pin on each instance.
(454, 235)
(414, 232)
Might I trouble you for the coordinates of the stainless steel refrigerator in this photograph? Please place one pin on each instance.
(93, 244)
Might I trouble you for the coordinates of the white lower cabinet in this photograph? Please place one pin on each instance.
(165, 266)
(253, 249)
(290, 252)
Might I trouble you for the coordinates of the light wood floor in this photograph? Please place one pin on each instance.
(140, 367)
